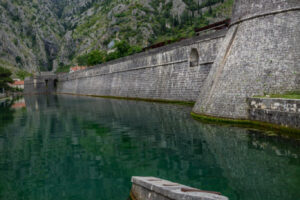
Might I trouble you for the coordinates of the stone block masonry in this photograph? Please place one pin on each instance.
(150, 188)
(260, 55)
(41, 84)
(285, 112)
(166, 73)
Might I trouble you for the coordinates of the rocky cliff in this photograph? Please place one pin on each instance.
(43, 34)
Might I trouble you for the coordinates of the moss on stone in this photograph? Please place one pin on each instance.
(287, 95)
(264, 126)
(187, 103)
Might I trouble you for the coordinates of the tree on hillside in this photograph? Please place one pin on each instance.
(5, 78)
(122, 48)
(96, 57)
(83, 60)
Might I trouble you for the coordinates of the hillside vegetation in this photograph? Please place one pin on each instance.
(47, 34)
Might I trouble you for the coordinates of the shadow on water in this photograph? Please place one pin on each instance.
(6, 112)
(66, 147)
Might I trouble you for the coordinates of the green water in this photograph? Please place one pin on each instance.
(66, 147)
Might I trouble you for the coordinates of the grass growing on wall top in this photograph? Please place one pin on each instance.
(287, 95)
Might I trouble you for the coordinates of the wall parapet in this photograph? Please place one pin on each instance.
(169, 73)
(152, 188)
(244, 9)
(152, 52)
(284, 112)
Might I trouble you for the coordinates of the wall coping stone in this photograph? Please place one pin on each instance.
(133, 69)
(276, 104)
(280, 111)
(174, 190)
(253, 16)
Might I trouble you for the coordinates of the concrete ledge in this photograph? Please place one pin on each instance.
(284, 112)
(151, 188)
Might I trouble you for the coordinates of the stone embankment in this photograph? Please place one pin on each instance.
(150, 188)
(284, 112)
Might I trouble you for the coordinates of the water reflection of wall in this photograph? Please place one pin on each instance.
(76, 144)
(252, 163)
(261, 167)
(35, 158)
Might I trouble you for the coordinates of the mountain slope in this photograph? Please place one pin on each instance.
(44, 34)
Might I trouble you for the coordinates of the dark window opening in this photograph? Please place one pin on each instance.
(194, 58)
(46, 81)
(55, 83)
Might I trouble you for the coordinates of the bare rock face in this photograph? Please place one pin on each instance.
(260, 55)
(41, 35)
(178, 8)
(25, 36)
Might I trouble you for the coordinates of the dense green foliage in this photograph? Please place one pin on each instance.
(95, 57)
(183, 26)
(143, 25)
(21, 74)
(63, 68)
(5, 78)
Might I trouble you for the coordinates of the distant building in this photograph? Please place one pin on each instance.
(77, 68)
(17, 84)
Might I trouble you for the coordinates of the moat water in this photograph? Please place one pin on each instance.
(82, 148)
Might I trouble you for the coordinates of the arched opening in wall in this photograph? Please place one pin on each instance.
(55, 83)
(194, 58)
(46, 82)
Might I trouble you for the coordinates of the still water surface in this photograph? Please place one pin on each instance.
(82, 148)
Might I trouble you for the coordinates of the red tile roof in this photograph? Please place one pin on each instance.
(18, 83)
(77, 68)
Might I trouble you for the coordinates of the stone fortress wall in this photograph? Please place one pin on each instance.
(260, 55)
(285, 112)
(173, 72)
(43, 83)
